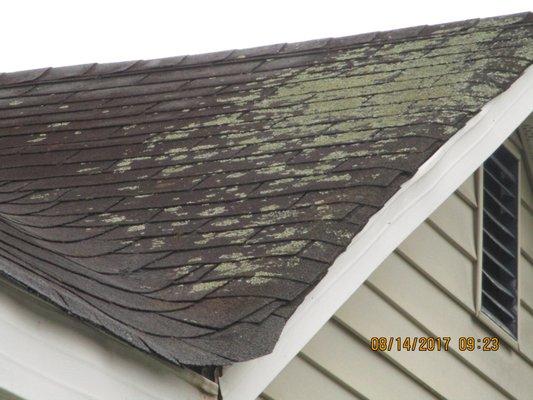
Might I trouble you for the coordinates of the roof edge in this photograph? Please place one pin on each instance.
(58, 349)
(433, 183)
(92, 70)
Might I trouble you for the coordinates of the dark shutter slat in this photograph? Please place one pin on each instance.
(499, 307)
(495, 199)
(500, 245)
(495, 261)
(503, 169)
(498, 285)
(499, 183)
(500, 225)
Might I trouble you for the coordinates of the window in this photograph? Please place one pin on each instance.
(499, 272)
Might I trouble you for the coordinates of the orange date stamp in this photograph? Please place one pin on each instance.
(429, 343)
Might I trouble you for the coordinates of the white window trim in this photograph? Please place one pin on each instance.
(434, 182)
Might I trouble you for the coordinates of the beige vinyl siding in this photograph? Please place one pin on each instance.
(427, 287)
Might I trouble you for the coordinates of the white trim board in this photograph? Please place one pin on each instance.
(433, 183)
(45, 354)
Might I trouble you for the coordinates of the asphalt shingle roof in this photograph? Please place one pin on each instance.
(187, 205)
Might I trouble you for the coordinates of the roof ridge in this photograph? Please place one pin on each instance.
(92, 70)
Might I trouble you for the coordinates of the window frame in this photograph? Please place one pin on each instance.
(485, 319)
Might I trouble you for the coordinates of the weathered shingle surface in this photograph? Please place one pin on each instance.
(187, 205)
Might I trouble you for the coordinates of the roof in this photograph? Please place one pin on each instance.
(188, 205)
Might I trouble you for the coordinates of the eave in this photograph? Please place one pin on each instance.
(54, 356)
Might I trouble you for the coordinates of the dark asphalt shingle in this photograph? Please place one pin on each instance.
(187, 205)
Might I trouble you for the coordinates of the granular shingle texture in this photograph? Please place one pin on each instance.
(187, 205)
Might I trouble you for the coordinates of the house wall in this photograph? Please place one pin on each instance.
(45, 354)
(427, 287)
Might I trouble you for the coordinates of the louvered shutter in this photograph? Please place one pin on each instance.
(500, 239)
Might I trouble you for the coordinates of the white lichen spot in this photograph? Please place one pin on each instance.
(226, 222)
(39, 196)
(179, 157)
(15, 103)
(175, 136)
(289, 248)
(86, 170)
(58, 124)
(272, 146)
(38, 139)
(176, 150)
(212, 211)
(236, 175)
(123, 166)
(235, 236)
(157, 244)
(258, 280)
(64, 107)
(232, 256)
(206, 286)
(128, 188)
(126, 164)
(136, 228)
(203, 147)
(179, 223)
(272, 207)
(175, 169)
(229, 267)
(184, 270)
(286, 233)
(112, 219)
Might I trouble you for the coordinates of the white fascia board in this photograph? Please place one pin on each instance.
(433, 183)
(525, 133)
(45, 354)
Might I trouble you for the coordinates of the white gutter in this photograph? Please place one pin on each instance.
(434, 182)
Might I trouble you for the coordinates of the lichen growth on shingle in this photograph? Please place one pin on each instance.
(212, 211)
(204, 287)
(192, 197)
(112, 219)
